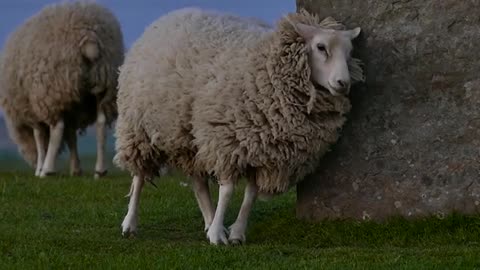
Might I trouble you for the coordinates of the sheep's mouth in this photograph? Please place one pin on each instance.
(323, 89)
(329, 90)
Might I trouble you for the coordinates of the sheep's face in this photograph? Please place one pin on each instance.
(328, 53)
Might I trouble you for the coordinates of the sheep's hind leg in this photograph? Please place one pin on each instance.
(204, 200)
(238, 228)
(129, 224)
(216, 232)
(39, 136)
(75, 169)
(100, 168)
(56, 136)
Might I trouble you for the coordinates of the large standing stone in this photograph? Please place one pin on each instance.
(412, 143)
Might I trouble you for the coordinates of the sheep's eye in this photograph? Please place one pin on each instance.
(321, 48)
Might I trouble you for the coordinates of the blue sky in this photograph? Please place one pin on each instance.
(135, 15)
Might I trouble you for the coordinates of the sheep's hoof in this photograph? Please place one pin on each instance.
(46, 174)
(100, 174)
(237, 235)
(129, 227)
(217, 235)
(76, 173)
(235, 242)
(129, 234)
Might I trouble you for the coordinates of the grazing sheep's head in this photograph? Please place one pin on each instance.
(328, 53)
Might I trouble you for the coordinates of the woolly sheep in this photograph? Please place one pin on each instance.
(59, 75)
(217, 95)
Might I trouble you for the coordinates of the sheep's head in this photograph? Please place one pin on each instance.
(328, 55)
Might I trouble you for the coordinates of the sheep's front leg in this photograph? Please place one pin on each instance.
(129, 224)
(39, 136)
(238, 228)
(56, 136)
(216, 232)
(100, 168)
(204, 200)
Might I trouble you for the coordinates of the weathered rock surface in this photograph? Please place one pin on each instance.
(412, 144)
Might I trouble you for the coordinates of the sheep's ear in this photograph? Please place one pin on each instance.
(306, 31)
(353, 34)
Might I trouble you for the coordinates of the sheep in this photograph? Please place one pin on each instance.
(59, 76)
(219, 96)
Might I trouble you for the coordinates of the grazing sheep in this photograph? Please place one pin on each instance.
(59, 75)
(217, 95)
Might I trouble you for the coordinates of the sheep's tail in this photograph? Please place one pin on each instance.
(23, 137)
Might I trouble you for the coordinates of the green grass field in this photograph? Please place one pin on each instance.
(63, 223)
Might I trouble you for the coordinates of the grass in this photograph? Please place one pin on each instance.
(63, 222)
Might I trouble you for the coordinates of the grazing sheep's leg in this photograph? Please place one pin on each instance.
(202, 193)
(38, 134)
(238, 228)
(56, 136)
(129, 224)
(216, 232)
(75, 169)
(100, 169)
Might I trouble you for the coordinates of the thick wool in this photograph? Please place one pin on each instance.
(215, 94)
(47, 76)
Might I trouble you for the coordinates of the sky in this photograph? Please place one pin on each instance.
(136, 15)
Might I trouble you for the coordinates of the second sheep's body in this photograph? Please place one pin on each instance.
(218, 95)
(59, 75)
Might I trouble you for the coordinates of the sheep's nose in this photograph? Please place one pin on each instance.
(342, 83)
